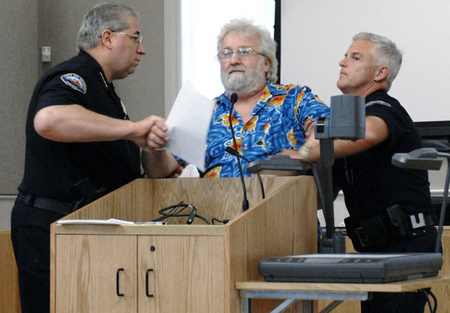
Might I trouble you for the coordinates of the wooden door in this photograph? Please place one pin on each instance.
(96, 273)
(181, 274)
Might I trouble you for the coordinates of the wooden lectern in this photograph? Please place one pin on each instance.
(177, 267)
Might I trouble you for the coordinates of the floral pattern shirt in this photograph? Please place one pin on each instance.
(276, 123)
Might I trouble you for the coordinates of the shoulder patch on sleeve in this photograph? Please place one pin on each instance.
(75, 81)
(377, 102)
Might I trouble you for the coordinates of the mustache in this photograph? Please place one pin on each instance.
(236, 68)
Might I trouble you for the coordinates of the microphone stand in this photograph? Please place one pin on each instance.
(233, 100)
(235, 153)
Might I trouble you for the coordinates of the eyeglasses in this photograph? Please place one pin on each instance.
(243, 53)
(138, 38)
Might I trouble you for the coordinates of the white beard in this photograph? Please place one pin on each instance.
(243, 83)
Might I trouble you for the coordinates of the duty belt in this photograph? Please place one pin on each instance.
(420, 220)
(45, 203)
(391, 224)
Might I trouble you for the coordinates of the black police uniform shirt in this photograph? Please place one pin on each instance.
(53, 168)
(369, 180)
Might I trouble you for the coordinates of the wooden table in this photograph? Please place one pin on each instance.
(324, 291)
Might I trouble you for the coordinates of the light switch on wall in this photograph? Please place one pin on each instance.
(46, 54)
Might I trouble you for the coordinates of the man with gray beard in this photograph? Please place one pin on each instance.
(267, 118)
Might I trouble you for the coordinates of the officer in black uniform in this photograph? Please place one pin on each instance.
(390, 208)
(80, 143)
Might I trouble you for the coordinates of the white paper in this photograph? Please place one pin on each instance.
(189, 171)
(188, 125)
(111, 221)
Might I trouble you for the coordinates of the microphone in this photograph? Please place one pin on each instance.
(233, 100)
(235, 153)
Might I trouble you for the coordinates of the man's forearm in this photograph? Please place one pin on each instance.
(159, 164)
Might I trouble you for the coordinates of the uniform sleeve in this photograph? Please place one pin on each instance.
(397, 125)
(62, 88)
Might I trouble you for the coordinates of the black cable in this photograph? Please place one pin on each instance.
(199, 216)
(175, 211)
(222, 222)
(427, 294)
(165, 215)
(428, 300)
(434, 299)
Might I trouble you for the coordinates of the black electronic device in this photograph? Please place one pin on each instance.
(278, 164)
(350, 267)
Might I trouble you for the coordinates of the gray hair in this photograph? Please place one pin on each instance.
(385, 53)
(268, 46)
(103, 16)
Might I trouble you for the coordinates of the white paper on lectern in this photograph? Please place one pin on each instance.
(188, 124)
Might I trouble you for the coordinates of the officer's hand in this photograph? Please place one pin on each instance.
(151, 133)
(157, 137)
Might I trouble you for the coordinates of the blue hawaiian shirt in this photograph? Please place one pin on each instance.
(276, 123)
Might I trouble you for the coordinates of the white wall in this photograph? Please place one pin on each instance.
(315, 34)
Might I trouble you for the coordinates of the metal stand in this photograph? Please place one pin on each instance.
(292, 296)
(346, 121)
(427, 159)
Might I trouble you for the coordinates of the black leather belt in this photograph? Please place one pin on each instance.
(45, 203)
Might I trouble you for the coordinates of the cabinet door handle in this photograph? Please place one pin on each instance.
(117, 282)
(146, 283)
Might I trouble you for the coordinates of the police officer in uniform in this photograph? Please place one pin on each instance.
(80, 143)
(390, 208)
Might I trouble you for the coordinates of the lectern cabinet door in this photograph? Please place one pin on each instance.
(96, 273)
(181, 274)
